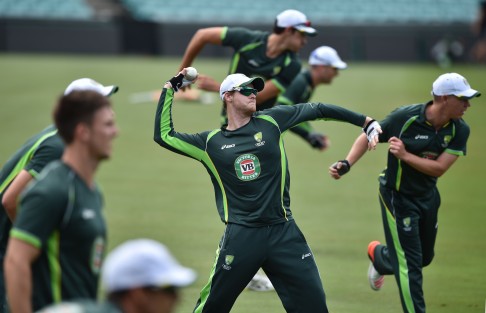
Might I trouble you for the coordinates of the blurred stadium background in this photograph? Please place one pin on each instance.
(374, 30)
(151, 192)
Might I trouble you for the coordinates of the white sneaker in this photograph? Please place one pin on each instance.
(260, 282)
(376, 279)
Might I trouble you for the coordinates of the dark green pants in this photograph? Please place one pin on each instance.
(281, 251)
(410, 224)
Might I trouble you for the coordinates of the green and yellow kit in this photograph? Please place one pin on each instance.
(410, 199)
(249, 171)
(60, 215)
(33, 156)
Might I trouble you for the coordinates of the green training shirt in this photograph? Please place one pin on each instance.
(410, 125)
(62, 216)
(249, 58)
(33, 156)
(248, 166)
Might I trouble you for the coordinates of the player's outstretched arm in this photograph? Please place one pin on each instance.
(202, 37)
(358, 149)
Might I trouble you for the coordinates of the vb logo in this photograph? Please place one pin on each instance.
(247, 167)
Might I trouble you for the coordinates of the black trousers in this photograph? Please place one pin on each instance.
(410, 224)
(281, 251)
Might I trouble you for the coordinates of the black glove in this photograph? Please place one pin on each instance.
(179, 81)
(345, 167)
(317, 140)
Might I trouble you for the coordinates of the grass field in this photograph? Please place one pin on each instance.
(151, 192)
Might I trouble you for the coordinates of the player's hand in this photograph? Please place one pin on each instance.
(318, 141)
(207, 83)
(397, 148)
(339, 168)
(372, 131)
(179, 81)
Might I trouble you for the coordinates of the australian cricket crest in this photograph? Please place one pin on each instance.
(247, 167)
(447, 139)
(406, 224)
(228, 259)
(259, 139)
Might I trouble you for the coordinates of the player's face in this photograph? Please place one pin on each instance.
(457, 106)
(153, 300)
(327, 73)
(102, 131)
(297, 40)
(245, 99)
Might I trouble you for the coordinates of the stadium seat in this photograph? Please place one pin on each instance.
(319, 12)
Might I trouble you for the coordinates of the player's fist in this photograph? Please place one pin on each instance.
(339, 168)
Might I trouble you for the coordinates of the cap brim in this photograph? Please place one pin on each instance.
(340, 65)
(109, 90)
(257, 82)
(180, 277)
(469, 94)
(309, 31)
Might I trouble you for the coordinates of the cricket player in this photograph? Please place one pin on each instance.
(272, 56)
(248, 167)
(425, 140)
(57, 241)
(325, 64)
(26, 164)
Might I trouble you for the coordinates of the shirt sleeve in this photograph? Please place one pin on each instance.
(298, 92)
(49, 150)
(40, 213)
(458, 144)
(237, 37)
(289, 116)
(191, 145)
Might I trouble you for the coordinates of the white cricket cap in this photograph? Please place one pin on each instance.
(90, 84)
(143, 263)
(453, 84)
(326, 56)
(240, 80)
(297, 20)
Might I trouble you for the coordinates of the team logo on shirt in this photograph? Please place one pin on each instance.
(429, 155)
(247, 167)
(447, 139)
(406, 224)
(228, 259)
(259, 139)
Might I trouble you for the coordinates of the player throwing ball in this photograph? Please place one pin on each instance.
(248, 166)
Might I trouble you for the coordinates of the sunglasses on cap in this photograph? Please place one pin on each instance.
(246, 91)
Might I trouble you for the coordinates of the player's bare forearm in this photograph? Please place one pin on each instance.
(268, 92)
(11, 195)
(208, 83)
(201, 38)
(358, 149)
(18, 275)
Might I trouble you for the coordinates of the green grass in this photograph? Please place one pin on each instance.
(151, 192)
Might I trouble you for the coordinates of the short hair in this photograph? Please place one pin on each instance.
(277, 29)
(75, 108)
